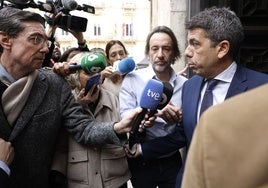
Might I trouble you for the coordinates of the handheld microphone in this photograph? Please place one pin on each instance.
(124, 66)
(91, 63)
(150, 98)
(166, 96)
(69, 4)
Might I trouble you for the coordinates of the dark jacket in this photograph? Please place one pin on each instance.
(4, 179)
(50, 106)
(243, 80)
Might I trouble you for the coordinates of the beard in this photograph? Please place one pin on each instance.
(160, 68)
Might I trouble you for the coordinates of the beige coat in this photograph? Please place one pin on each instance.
(100, 166)
(113, 87)
(229, 148)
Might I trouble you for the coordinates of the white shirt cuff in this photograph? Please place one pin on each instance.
(139, 149)
(5, 167)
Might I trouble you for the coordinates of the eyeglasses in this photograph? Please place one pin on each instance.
(37, 39)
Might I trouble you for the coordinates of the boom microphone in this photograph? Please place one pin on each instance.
(124, 66)
(69, 4)
(91, 63)
(86, 8)
(19, 2)
(150, 98)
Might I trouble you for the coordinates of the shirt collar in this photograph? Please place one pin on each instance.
(5, 77)
(228, 74)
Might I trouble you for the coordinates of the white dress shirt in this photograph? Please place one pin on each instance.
(4, 167)
(130, 97)
(220, 90)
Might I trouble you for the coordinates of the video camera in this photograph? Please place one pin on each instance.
(65, 21)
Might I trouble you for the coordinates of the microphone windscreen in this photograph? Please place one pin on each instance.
(69, 4)
(166, 96)
(152, 94)
(93, 63)
(126, 65)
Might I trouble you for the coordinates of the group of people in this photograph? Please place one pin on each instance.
(102, 165)
(54, 135)
(37, 103)
(214, 37)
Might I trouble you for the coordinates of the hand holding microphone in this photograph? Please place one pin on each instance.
(171, 114)
(150, 98)
(166, 96)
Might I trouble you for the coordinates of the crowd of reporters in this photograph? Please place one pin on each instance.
(109, 99)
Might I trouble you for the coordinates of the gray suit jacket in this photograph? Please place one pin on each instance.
(49, 107)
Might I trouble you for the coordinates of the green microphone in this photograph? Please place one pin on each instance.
(91, 63)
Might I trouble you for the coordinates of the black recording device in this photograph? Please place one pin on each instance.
(65, 21)
(92, 81)
(71, 22)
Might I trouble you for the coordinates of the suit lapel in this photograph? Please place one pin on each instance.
(195, 99)
(237, 85)
(5, 128)
(191, 95)
(36, 97)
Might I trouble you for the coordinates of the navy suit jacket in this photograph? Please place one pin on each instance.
(243, 80)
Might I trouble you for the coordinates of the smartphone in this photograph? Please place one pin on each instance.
(94, 80)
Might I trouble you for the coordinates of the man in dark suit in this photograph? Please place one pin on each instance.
(214, 37)
(227, 148)
(6, 157)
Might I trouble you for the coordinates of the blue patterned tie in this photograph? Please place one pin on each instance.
(208, 96)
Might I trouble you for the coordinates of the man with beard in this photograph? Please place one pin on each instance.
(162, 51)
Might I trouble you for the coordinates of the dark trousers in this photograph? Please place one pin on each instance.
(150, 174)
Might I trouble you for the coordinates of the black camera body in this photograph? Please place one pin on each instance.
(65, 21)
(75, 23)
